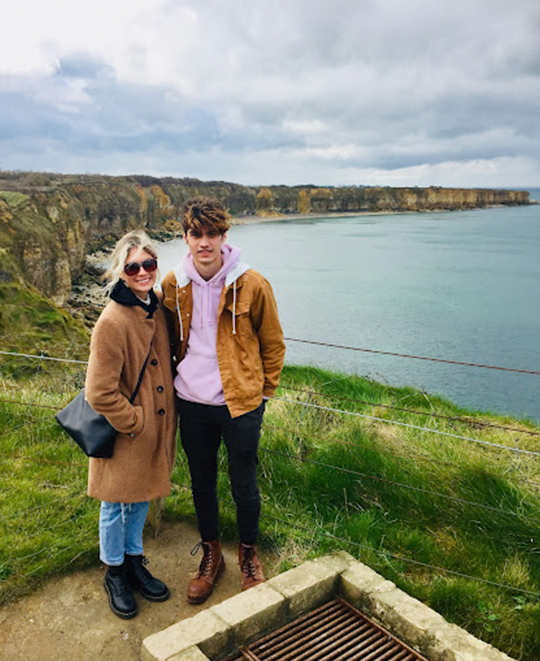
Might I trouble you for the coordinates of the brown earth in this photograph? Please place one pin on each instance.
(70, 618)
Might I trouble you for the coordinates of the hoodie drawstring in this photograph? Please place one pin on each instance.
(208, 305)
(234, 309)
(179, 316)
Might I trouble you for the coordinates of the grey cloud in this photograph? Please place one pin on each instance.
(391, 84)
(82, 65)
(113, 116)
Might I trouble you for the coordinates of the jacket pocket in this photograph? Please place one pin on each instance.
(240, 319)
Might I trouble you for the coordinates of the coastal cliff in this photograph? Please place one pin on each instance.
(49, 222)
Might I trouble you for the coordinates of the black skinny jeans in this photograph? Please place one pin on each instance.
(201, 429)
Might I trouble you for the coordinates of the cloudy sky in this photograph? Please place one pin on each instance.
(392, 92)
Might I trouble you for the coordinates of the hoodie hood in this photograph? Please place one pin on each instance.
(206, 293)
(230, 256)
(232, 267)
(231, 270)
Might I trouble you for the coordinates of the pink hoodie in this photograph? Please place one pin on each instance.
(198, 378)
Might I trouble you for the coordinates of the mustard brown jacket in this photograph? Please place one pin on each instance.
(145, 445)
(249, 343)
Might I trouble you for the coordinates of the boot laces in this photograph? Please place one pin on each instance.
(206, 561)
(139, 567)
(248, 566)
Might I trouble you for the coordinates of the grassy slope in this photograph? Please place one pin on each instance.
(39, 499)
(30, 323)
(310, 506)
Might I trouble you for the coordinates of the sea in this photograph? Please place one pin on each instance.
(461, 286)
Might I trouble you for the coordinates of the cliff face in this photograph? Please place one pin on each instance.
(48, 223)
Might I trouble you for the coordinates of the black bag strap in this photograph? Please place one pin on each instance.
(132, 398)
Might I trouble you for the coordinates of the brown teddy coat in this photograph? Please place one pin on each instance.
(145, 445)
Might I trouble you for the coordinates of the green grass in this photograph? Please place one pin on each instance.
(30, 323)
(48, 523)
(15, 199)
(453, 523)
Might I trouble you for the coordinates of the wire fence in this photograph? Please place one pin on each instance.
(20, 404)
(386, 553)
(438, 416)
(414, 357)
(429, 430)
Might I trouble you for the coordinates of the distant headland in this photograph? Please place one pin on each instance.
(50, 222)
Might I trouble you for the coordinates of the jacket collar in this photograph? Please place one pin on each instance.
(122, 294)
(182, 278)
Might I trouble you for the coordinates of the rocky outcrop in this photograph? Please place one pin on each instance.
(49, 222)
(375, 198)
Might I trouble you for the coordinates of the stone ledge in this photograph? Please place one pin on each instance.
(206, 629)
(212, 634)
(251, 613)
(411, 620)
(311, 584)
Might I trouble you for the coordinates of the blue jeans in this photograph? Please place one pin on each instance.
(120, 531)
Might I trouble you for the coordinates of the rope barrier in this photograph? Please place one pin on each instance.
(439, 432)
(40, 406)
(308, 461)
(467, 421)
(29, 355)
(268, 450)
(334, 346)
(401, 558)
(350, 444)
(388, 451)
(397, 484)
(410, 426)
(406, 355)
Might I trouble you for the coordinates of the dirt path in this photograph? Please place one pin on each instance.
(70, 618)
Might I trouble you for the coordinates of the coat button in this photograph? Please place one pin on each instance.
(160, 389)
(153, 362)
(161, 412)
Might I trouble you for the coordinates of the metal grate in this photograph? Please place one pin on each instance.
(333, 632)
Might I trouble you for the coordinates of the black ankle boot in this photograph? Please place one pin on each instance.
(142, 580)
(118, 588)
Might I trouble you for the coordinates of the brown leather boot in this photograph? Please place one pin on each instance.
(250, 566)
(212, 565)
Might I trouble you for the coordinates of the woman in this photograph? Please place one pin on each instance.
(131, 329)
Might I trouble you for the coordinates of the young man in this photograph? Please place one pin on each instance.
(230, 355)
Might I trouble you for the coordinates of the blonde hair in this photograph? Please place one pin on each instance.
(135, 239)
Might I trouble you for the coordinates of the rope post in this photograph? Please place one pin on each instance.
(155, 514)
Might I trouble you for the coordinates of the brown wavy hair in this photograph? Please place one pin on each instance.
(205, 212)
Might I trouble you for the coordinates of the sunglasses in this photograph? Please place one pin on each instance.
(132, 268)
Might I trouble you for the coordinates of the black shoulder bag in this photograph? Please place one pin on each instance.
(92, 432)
